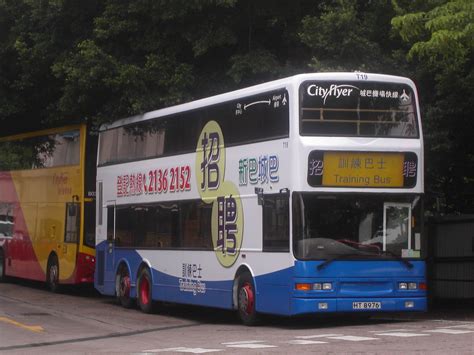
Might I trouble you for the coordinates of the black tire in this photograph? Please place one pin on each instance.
(52, 274)
(246, 300)
(144, 291)
(3, 278)
(122, 288)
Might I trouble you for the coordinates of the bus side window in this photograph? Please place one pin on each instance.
(110, 223)
(6, 220)
(276, 226)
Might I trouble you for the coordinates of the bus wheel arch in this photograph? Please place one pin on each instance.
(52, 272)
(245, 296)
(123, 285)
(145, 288)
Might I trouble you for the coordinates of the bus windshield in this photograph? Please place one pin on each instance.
(356, 225)
(361, 109)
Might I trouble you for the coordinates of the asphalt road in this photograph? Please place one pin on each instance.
(33, 320)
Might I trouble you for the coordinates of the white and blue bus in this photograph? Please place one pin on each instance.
(297, 196)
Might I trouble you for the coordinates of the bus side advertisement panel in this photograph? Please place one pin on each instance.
(21, 260)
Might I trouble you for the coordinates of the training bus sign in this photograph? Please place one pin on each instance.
(362, 169)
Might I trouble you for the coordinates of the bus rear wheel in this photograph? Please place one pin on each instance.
(246, 300)
(145, 299)
(122, 288)
(52, 274)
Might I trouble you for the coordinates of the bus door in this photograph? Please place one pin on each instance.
(110, 247)
(68, 254)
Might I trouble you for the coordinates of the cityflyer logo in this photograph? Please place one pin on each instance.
(334, 91)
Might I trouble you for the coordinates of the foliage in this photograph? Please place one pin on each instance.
(350, 35)
(440, 42)
(67, 60)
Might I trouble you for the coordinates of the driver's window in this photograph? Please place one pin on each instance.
(397, 228)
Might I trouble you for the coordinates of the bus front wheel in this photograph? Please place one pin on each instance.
(52, 274)
(145, 300)
(122, 288)
(246, 300)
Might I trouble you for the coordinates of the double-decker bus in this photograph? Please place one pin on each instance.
(47, 205)
(297, 196)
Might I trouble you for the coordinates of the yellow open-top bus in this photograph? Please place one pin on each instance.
(47, 205)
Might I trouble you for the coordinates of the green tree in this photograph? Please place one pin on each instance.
(33, 34)
(351, 35)
(440, 40)
(143, 55)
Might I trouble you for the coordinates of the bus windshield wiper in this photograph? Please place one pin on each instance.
(408, 264)
(336, 257)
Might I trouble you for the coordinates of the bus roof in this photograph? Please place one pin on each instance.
(248, 91)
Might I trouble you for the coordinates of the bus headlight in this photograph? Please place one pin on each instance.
(327, 286)
(407, 286)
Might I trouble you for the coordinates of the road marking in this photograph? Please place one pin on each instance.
(352, 338)
(450, 331)
(248, 344)
(402, 335)
(306, 342)
(389, 330)
(183, 350)
(244, 342)
(32, 328)
(251, 346)
(318, 336)
(468, 326)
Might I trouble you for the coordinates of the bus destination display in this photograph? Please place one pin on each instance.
(362, 169)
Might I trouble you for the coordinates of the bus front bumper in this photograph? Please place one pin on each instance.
(344, 305)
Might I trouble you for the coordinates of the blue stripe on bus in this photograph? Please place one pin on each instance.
(352, 281)
(192, 291)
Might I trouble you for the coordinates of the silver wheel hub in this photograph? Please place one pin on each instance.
(243, 300)
(53, 274)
